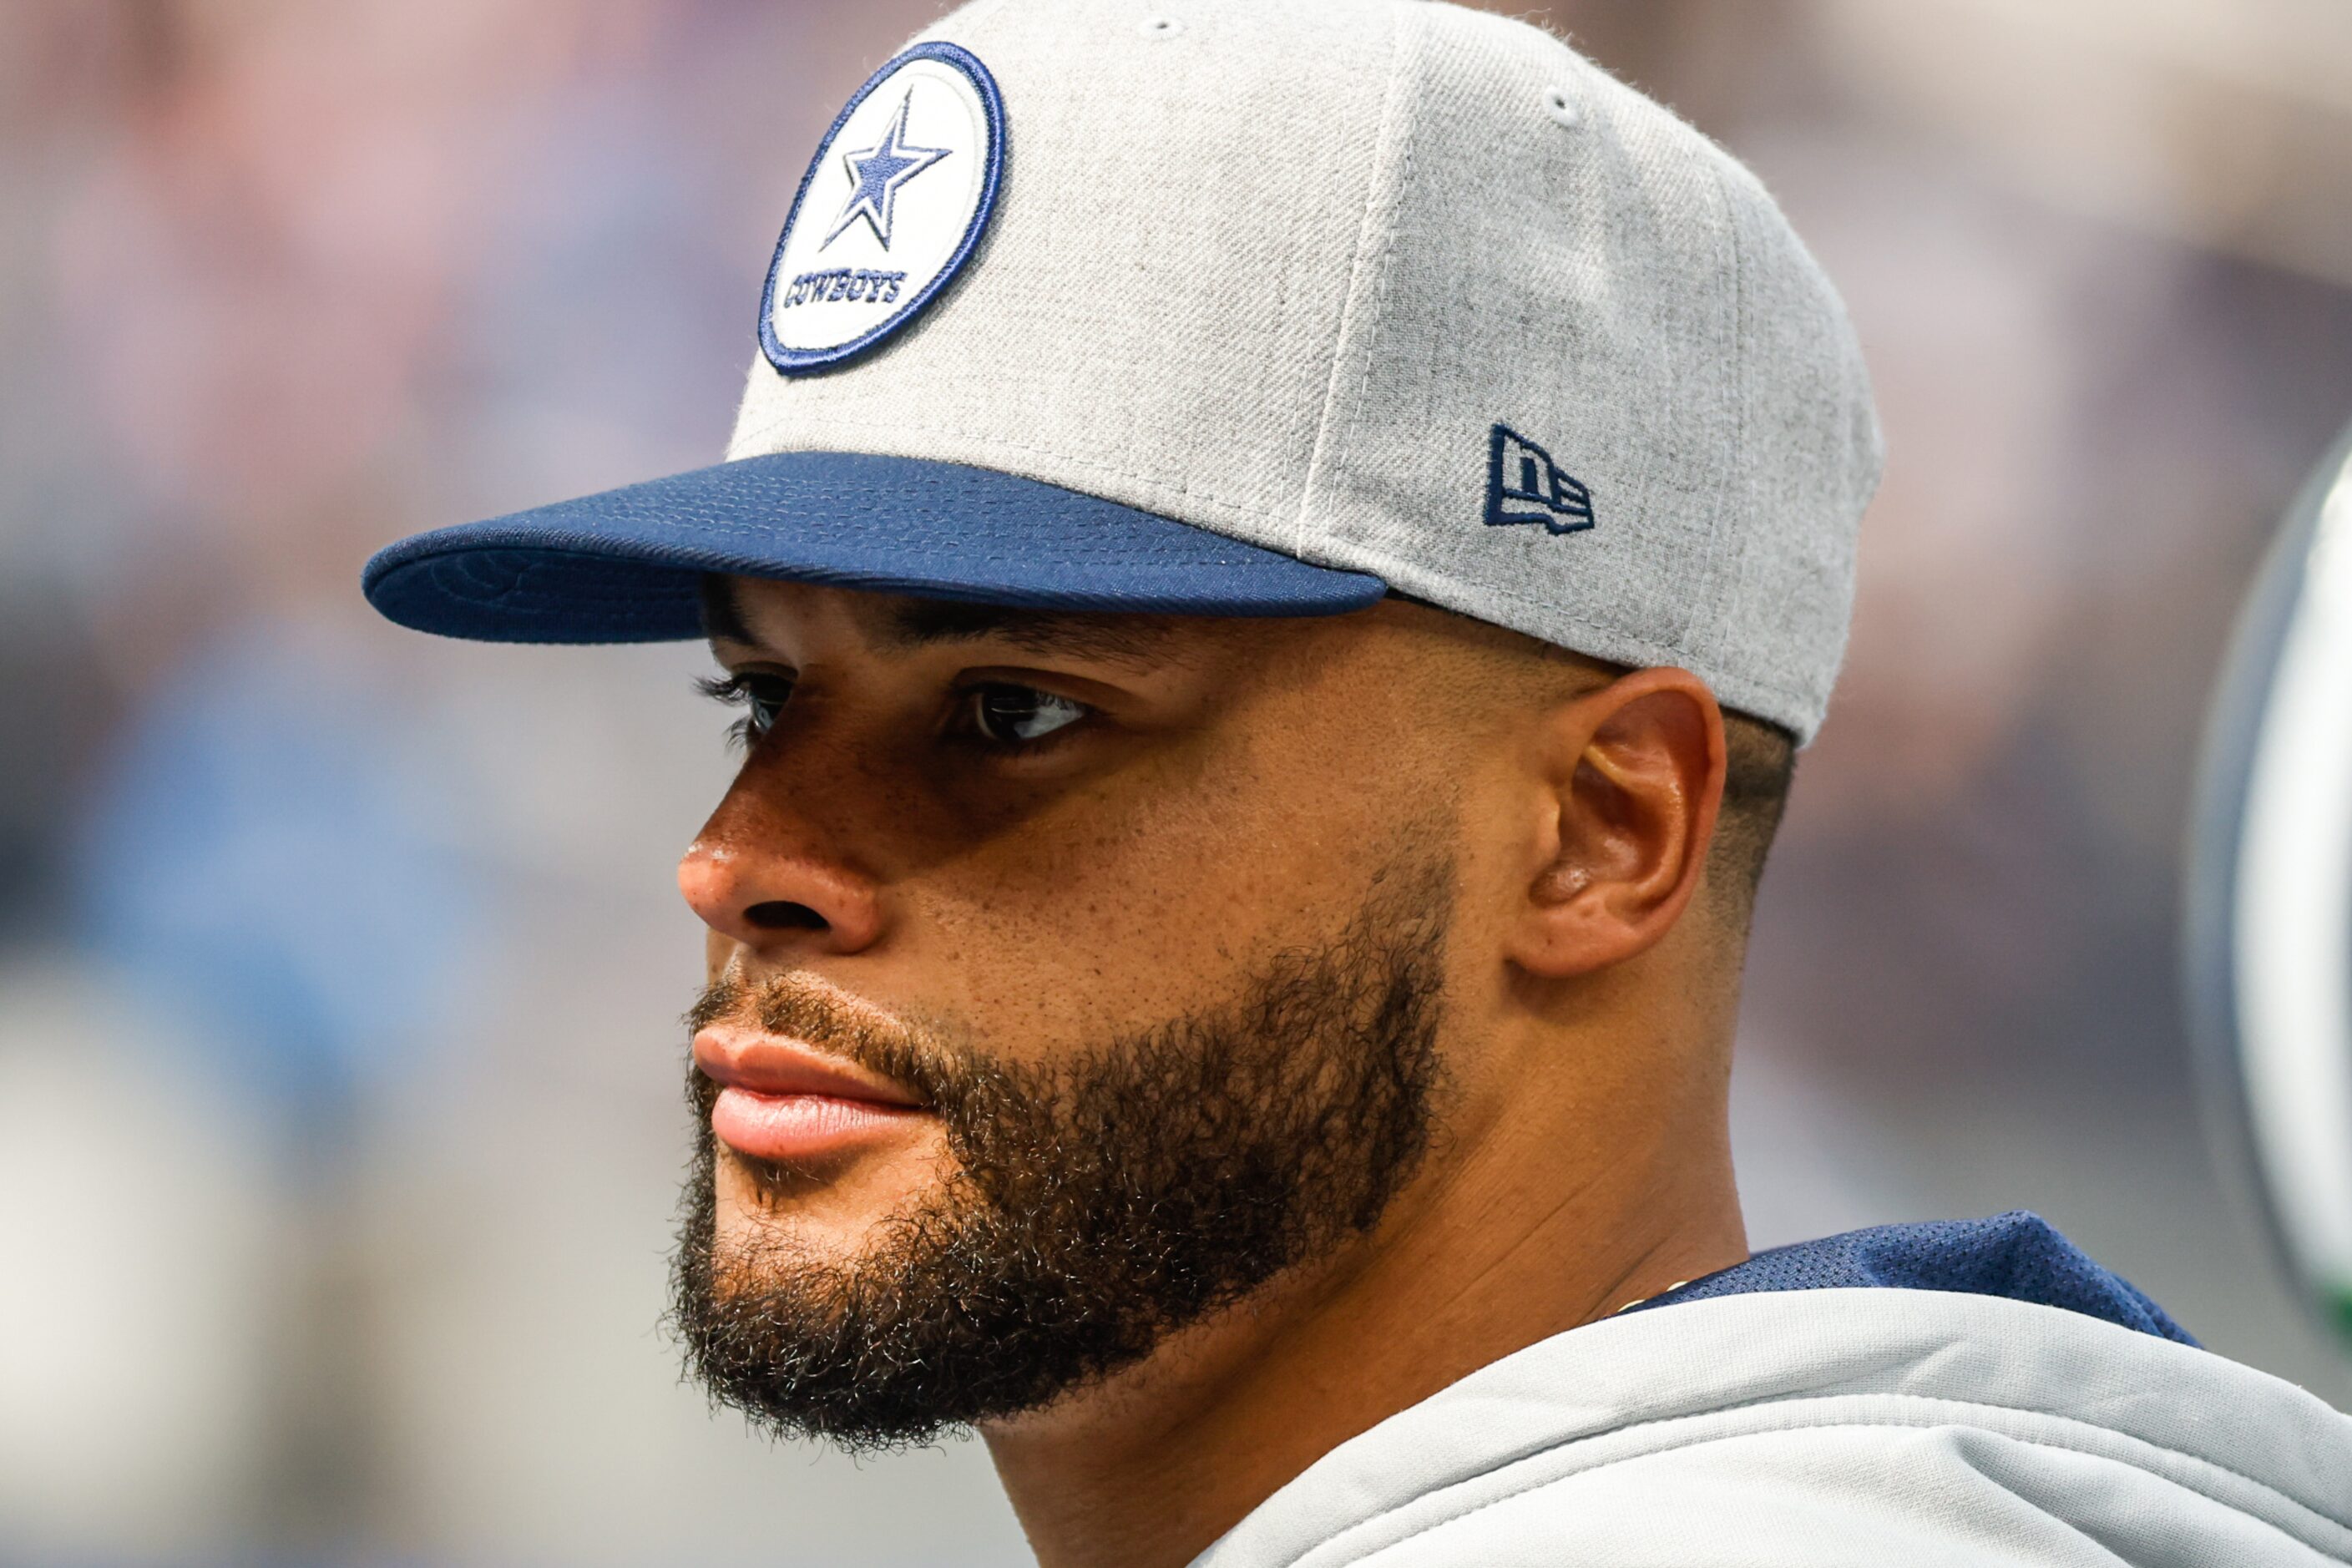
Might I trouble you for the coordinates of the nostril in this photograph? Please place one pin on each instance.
(778, 914)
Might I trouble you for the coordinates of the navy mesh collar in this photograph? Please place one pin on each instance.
(2016, 1255)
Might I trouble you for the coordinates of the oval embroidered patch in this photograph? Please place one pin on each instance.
(891, 208)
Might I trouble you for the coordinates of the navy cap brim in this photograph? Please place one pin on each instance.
(625, 565)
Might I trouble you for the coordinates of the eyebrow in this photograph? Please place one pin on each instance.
(722, 616)
(909, 624)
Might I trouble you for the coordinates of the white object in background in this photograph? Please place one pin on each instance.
(141, 1283)
(2291, 946)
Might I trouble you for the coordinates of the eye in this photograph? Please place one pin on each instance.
(760, 696)
(1019, 715)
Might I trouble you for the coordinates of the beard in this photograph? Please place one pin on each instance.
(1096, 1206)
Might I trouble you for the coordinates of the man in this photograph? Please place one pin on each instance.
(1275, 559)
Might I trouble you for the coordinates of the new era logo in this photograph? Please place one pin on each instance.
(1524, 485)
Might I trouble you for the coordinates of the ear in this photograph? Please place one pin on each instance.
(1634, 777)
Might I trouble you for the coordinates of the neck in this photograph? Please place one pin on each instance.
(1509, 1244)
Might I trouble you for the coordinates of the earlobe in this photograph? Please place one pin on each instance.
(1635, 777)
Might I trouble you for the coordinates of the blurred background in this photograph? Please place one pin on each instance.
(339, 968)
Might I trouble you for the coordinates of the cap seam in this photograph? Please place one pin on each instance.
(1394, 125)
(1773, 654)
(1731, 587)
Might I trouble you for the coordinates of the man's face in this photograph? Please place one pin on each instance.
(1070, 977)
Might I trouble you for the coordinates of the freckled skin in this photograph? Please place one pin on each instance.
(1233, 790)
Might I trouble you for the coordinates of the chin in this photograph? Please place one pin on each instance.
(830, 1211)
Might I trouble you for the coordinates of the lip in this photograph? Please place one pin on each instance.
(782, 1101)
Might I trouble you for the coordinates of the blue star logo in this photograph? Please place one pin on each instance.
(878, 173)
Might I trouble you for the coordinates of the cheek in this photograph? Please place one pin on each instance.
(1154, 898)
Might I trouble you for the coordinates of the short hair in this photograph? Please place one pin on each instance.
(1760, 766)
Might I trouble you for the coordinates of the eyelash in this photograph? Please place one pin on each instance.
(746, 691)
(740, 691)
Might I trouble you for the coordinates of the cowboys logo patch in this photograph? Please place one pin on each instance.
(889, 211)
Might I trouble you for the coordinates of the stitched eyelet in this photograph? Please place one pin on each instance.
(1158, 28)
(1563, 109)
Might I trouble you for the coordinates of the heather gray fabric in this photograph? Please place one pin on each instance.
(1839, 1428)
(1279, 267)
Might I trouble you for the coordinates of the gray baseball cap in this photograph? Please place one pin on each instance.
(1258, 307)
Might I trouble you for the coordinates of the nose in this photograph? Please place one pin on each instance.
(762, 874)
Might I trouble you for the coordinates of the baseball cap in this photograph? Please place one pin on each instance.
(1257, 307)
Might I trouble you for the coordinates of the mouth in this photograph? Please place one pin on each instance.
(784, 1101)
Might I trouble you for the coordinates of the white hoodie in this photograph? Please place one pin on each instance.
(1914, 1397)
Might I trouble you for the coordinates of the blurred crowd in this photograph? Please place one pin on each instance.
(340, 969)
